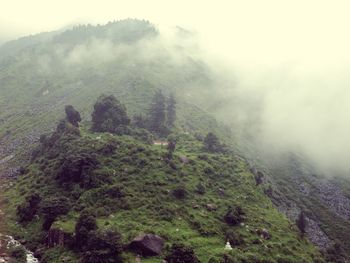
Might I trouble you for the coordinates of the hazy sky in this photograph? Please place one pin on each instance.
(294, 55)
(266, 32)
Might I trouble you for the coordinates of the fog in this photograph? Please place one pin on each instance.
(282, 66)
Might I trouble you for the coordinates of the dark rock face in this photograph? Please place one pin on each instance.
(147, 245)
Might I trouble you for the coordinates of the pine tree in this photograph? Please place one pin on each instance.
(72, 115)
(109, 115)
(157, 114)
(301, 222)
(171, 111)
(171, 146)
(212, 143)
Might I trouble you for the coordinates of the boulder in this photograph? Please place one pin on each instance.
(195, 206)
(211, 207)
(147, 245)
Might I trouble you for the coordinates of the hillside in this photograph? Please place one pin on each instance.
(124, 58)
(131, 187)
(131, 60)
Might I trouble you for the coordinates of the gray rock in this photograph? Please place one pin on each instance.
(211, 207)
(147, 245)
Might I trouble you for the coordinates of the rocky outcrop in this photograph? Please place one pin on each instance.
(147, 245)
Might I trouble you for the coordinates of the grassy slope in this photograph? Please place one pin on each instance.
(147, 182)
(24, 110)
(27, 110)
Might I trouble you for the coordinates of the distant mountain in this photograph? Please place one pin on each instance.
(131, 59)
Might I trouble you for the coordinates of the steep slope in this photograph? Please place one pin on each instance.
(126, 58)
(133, 188)
(130, 59)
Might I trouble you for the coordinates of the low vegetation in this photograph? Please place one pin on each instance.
(100, 189)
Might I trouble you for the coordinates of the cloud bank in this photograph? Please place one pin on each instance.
(282, 67)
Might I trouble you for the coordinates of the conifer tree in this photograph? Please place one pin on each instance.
(171, 111)
(212, 143)
(301, 222)
(109, 115)
(72, 115)
(157, 114)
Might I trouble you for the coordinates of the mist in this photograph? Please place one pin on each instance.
(281, 68)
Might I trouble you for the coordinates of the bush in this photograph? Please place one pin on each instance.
(212, 143)
(301, 223)
(85, 224)
(142, 135)
(19, 254)
(234, 238)
(200, 189)
(180, 253)
(109, 115)
(180, 192)
(103, 246)
(72, 115)
(234, 216)
(171, 146)
(75, 168)
(53, 207)
(29, 208)
(63, 127)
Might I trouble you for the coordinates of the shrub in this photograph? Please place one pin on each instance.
(103, 246)
(171, 146)
(19, 254)
(259, 178)
(200, 189)
(75, 167)
(234, 238)
(180, 192)
(29, 208)
(234, 216)
(180, 253)
(53, 207)
(85, 224)
(301, 223)
(212, 143)
(63, 127)
(109, 115)
(72, 115)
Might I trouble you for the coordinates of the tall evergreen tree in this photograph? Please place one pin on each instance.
(72, 115)
(212, 143)
(109, 115)
(157, 113)
(301, 222)
(171, 111)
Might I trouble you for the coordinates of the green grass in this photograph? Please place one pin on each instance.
(147, 180)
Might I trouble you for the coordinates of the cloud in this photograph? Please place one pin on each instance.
(281, 66)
